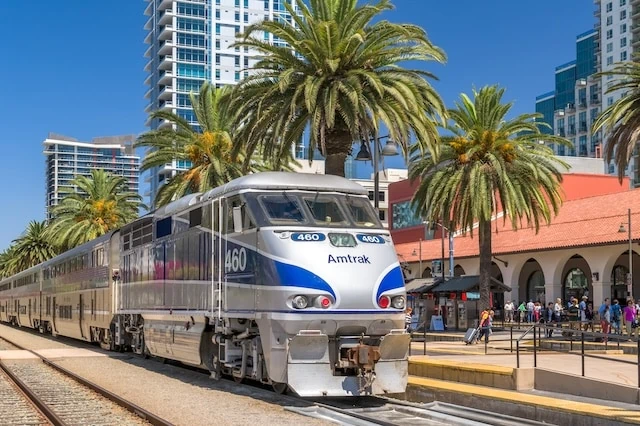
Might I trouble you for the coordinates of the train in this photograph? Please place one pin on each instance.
(282, 278)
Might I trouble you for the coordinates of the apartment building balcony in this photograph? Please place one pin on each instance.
(635, 12)
(166, 93)
(572, 130)
(165, 4)
(166, 17)
(148, 11)
(635, 29)
(164, 124)
(166, 77)
(147, 94)
(582, 103)
(166, 47)
(561, 133)
(559, 113)
(149, 24)
(166, 62)
(595, 100)
(167, 106)
(570, 108)
(148, 65)
(635, 41)
(147, 53)
(166, 32)
(148, 108)
(581, 82)
(147, 81)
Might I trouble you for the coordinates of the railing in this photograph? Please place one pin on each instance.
(570, 332)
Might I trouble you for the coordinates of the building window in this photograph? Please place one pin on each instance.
(623, 15)
(610, 101)
(623, 28)
(404, 216)
(217, 74)
(217, 13)
(575, 285)
(237, 17)
(535, 287)
(623, 55)
(609, 7)
(381, 215)
(609, 47)
(217, 44)
(609, 34)
(609, 20)
(609, 60)
(623, 2)
(623, 42)
(237, 61)
(246, 18)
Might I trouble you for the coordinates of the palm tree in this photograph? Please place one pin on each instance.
(621, 120)
(103, 203)
(34, 246)
(8, 262)
(208, 148)
(343, 82)
(489, 163)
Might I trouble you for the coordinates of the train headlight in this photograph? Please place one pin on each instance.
(384, 302)
(300, 302)
(398, 302)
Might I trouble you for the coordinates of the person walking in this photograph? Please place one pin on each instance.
(606, 322)
(629, 315)
(549, 314)
(601, 311)
(486, 324)
(508, 311)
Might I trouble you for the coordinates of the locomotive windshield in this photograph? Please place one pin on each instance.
(313, 209)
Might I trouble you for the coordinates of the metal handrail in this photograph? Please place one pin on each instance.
(582, 354)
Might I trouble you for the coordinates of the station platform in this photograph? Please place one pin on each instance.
(555, 392)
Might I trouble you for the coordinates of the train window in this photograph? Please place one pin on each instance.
(247, 222)
(163, 227)
(100, 257)
(195, 217)
(325, 210)
(362, 212)
(282, 208)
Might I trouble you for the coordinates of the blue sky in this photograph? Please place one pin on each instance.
(76, 67)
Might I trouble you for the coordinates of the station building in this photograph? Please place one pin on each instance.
(584, 251)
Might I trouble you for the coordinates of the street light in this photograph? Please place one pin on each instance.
(390, 149)
(444, 228)
(622, 229)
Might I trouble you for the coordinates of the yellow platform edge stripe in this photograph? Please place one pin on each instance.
(574, 407)
(466, 366)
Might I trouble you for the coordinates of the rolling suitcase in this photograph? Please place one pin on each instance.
(471, 335)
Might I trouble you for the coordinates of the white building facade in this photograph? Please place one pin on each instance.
(189, 42)
(67, 158)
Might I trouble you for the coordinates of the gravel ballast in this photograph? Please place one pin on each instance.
(179, 395)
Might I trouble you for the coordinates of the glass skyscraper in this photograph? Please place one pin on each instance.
(190, 43)
(67, 158)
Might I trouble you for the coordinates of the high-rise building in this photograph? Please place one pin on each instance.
(580, 96)
(618, 28)
(67, 158)
(572, 106)
(190, 42)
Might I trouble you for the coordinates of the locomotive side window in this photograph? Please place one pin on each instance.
(282, 208)
(325, 211)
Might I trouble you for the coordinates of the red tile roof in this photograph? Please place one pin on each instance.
(587, 221)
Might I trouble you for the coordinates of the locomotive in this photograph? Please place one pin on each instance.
(284, 278)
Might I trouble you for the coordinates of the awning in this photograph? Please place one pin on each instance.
(421, 285)
(467, 283)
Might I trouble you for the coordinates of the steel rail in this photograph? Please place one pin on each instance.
(128, 405)
(42, 408)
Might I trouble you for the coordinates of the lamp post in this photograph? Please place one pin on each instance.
(390, 149)
(630, 277)
(444, 228)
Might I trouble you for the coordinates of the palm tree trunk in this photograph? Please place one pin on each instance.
(484, 242)
(338, 146)
(334, 164)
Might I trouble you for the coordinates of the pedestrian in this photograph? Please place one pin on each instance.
(536, 312)
(530, 309)
(582, 308)
(557, 311)
(601, 311)
(606, 322)
(549, 314)
(616, 317)
(508, 311)
(630, 321)
(486, 324)
(588, 313)
(408, 319)
(521, 312)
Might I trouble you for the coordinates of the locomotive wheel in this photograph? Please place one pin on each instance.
(280, 388)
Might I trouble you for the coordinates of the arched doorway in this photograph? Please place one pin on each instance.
(619, 282)
(576, 285)
(458, 271)
(426, 273)
(535, 287)
(576, 279)
(531, 283)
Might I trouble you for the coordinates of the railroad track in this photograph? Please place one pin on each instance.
(50, 394)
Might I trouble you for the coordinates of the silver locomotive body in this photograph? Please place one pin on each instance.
(284, 278)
